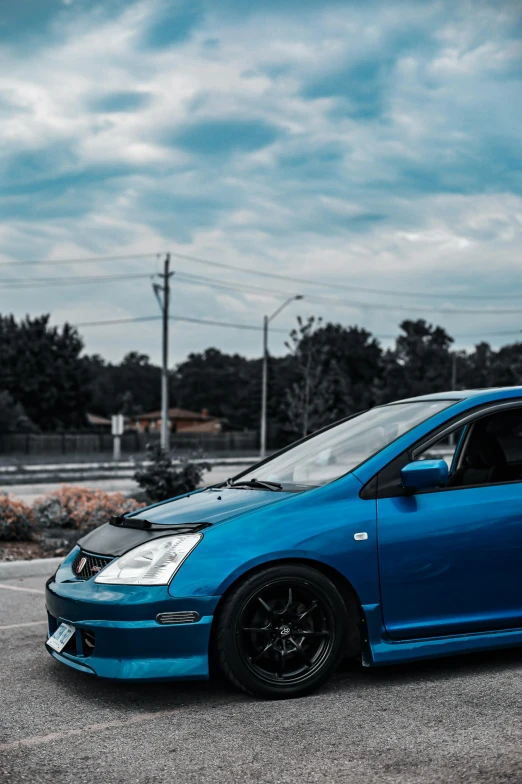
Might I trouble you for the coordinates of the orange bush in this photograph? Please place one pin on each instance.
(16, 520)
(80, 508)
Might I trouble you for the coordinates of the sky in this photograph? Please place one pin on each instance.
(367, 156)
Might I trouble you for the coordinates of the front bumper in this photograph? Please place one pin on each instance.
(117, 634)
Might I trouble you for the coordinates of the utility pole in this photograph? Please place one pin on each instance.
(264, 386)
(453, 370)
(162, 293)
(453, 387)
(264, 383)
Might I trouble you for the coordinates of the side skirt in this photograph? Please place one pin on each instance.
(379, 650)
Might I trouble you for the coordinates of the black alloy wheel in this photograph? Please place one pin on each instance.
(282, 632)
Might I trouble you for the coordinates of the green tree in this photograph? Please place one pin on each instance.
(13, 418)
(228, 385)
(132, 386)
(506, 368)
(42, 369)
(354, 357)
(311, 399)
(420, 362)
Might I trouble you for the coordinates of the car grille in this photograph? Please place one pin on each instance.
(86, 565)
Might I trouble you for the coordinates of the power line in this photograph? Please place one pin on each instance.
(253, 327)
(216, 283)
(322, 299)
(262, 273)
(21, 283)
(189, 319)
(110, 322)
(368, 290)
(86, 260)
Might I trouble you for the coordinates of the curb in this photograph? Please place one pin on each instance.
(38, 567)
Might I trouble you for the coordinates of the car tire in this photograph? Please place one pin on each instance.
(282, 632)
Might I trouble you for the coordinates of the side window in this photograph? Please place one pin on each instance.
(492, 451)
(388, 482)
(446, 449)
(485, 451)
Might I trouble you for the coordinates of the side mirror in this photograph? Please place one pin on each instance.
(423, 474)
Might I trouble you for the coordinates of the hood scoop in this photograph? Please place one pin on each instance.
(140, 524)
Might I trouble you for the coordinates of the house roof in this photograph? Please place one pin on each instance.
(179, 413)
(211, 426)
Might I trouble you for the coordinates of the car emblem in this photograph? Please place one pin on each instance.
(80, 566)
(284, 631)
(96, 569)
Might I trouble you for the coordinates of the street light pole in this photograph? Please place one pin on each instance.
(453, 387)
(264, 382)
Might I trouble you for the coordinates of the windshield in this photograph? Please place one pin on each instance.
(338, 450)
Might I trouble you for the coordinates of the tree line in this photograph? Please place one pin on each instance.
(329, 371)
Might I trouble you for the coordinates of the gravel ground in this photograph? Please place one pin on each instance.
(452, 720)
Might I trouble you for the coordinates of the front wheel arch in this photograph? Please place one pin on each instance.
(349, 596)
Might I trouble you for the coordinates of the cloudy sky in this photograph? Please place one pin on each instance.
(366, 155)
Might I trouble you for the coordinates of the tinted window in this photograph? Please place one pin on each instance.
(492, 451)
(489, 452)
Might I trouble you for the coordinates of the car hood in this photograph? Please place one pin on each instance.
(209, 506)
(206, 506)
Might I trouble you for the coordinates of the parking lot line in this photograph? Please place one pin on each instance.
(18, 588)
(38, 740)
(22, 625)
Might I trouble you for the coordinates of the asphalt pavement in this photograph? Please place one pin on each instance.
(450, 720)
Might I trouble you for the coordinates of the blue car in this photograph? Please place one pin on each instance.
(392, 536)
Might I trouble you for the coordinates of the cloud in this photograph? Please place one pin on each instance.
(369, 144)
(172, 23)
(225, 137)
(124, 101)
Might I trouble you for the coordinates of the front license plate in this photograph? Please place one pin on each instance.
(61, 637)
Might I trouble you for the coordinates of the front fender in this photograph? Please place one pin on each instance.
(315, 526)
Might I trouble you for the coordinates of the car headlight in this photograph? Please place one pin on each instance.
(153, 563)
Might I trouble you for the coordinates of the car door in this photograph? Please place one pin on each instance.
(450, 559)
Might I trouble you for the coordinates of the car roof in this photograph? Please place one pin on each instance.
(492, 393)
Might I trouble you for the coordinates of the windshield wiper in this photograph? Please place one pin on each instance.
(261, 484)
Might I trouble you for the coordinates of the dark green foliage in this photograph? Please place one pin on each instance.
(331, 371)
(163, 479)
(310, 400)
(338, 372)
(420, 362)
(42, 370)
(131, 387)
(229, 386)
(13, 418)
(355, 357)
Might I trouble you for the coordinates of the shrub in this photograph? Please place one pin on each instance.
(163, 479)
(16, 520)
(80, 509)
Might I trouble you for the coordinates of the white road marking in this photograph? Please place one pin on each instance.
(38, 740)
(21, 625)
(17, 588)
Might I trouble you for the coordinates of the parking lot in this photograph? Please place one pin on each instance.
(444, 721)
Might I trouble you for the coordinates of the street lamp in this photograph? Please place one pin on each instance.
(264, 387)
